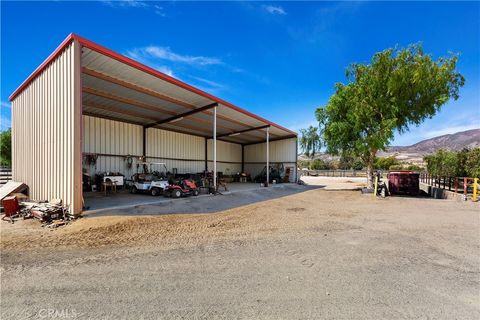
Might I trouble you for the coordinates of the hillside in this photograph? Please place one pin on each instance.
(454, 142)
(415, 152)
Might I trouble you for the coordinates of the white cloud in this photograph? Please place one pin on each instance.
(125, 3)
(303, 125)
(439, 126)
(275, 10)
(165, 53)
(157, 9)
(6, 105)
(165, 70)
(449, 130)
(209, 82)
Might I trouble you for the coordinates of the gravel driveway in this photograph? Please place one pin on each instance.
(313, 255)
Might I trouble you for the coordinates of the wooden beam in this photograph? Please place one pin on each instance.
(91, 114)
(271, 140)
(183, 115)
(139, 104)
(145, 106)
(132, 86)
(155, 94)
(142, 116)
(117, 110)
(233, 134)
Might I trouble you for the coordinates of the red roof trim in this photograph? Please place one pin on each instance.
(41, 67)
(112, 54)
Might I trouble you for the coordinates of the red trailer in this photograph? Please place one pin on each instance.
(404, 182)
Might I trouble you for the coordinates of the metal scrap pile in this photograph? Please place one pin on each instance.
(52, 214)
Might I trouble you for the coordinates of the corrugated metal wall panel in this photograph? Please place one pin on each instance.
(282, 151)
(46, 131)
(182, 151)
(112, 140)
(229, 157)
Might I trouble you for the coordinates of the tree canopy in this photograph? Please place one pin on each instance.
(399, 88)
(6, 148)
(450, 164)
(310, 141)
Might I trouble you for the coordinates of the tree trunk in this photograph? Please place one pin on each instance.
(370, 172)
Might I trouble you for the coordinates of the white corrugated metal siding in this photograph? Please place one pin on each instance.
(182, 151)
(281, 152)
(46, 126)
(229, 157)
(112, 141)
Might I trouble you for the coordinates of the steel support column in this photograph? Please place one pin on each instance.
(268, 157)
(243, 158)
(144, 140)
(206, 154)
(215, 148)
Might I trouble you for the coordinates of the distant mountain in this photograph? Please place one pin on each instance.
(414, 153)
(455, 142)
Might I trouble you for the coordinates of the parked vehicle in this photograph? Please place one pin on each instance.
(151, 181)
(183, 187)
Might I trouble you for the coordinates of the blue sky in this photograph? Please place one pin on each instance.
(277, 59)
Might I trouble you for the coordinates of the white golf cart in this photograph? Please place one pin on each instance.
(154, 180)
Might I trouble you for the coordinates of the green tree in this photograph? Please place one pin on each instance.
(385, 163)
(310, 141)
(304, 163)
(397, 89)
(442, 163)
(414, 167)
(472, 163)
(462, 162)
(318, 164)
(6, 148)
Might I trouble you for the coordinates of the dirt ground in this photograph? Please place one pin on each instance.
(316, 254)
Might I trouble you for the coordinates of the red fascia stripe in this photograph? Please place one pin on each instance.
(114, 55)
(41, 67)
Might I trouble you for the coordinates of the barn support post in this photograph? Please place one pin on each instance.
(215, 149)
(206, 154)
(243, 158)
(144, 141)
(268, 157)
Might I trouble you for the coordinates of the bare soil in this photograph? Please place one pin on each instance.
(316, 254)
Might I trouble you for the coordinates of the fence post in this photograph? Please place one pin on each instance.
(449, 183)
(465, 186)
(444, 180)
(456, 185)
(475, 181)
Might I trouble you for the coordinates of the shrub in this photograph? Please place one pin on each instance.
(318, 164)
(304, 164)
(385, 163)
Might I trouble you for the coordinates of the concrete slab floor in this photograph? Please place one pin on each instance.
(125, 203)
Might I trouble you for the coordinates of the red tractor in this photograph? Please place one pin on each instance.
(183, 187)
